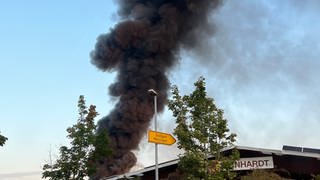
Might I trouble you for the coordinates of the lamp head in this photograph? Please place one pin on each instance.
(152, 92)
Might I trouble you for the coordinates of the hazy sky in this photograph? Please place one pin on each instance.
(261, 66)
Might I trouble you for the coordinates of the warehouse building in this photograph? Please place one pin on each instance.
(291, 162)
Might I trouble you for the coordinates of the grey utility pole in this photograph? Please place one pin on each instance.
(154, 94)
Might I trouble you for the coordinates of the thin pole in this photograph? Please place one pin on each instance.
(50, 156)
(156, 145)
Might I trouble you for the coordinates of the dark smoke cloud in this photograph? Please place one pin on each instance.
(141, 48)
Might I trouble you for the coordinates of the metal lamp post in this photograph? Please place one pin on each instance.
(154, 94)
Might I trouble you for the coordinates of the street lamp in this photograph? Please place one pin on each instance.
(153, 93)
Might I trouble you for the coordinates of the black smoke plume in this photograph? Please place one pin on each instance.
(141, 48)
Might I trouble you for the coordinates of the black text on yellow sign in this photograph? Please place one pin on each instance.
(160, 138)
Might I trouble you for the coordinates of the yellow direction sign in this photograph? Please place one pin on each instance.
(160, 138)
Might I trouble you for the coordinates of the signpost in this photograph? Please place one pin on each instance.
(155, 94)
(160, 138)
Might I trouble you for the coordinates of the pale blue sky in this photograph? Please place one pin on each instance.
(262, 67)
(45, 66)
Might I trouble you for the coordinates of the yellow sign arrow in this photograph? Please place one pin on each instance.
(160, 138)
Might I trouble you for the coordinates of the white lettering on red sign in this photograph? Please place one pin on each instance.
(254, 163)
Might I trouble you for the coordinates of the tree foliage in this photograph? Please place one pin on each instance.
(262, 175)
(316, 177)
(202, 132)
(3, 140)
(86, 146)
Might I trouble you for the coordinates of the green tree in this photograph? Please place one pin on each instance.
(78, 161)
(202, 132)
(262, 175)
(316, 177)
(3, 140)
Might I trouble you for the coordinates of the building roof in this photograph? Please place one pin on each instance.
(140, 172)
(291, 151)
(277, 152)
